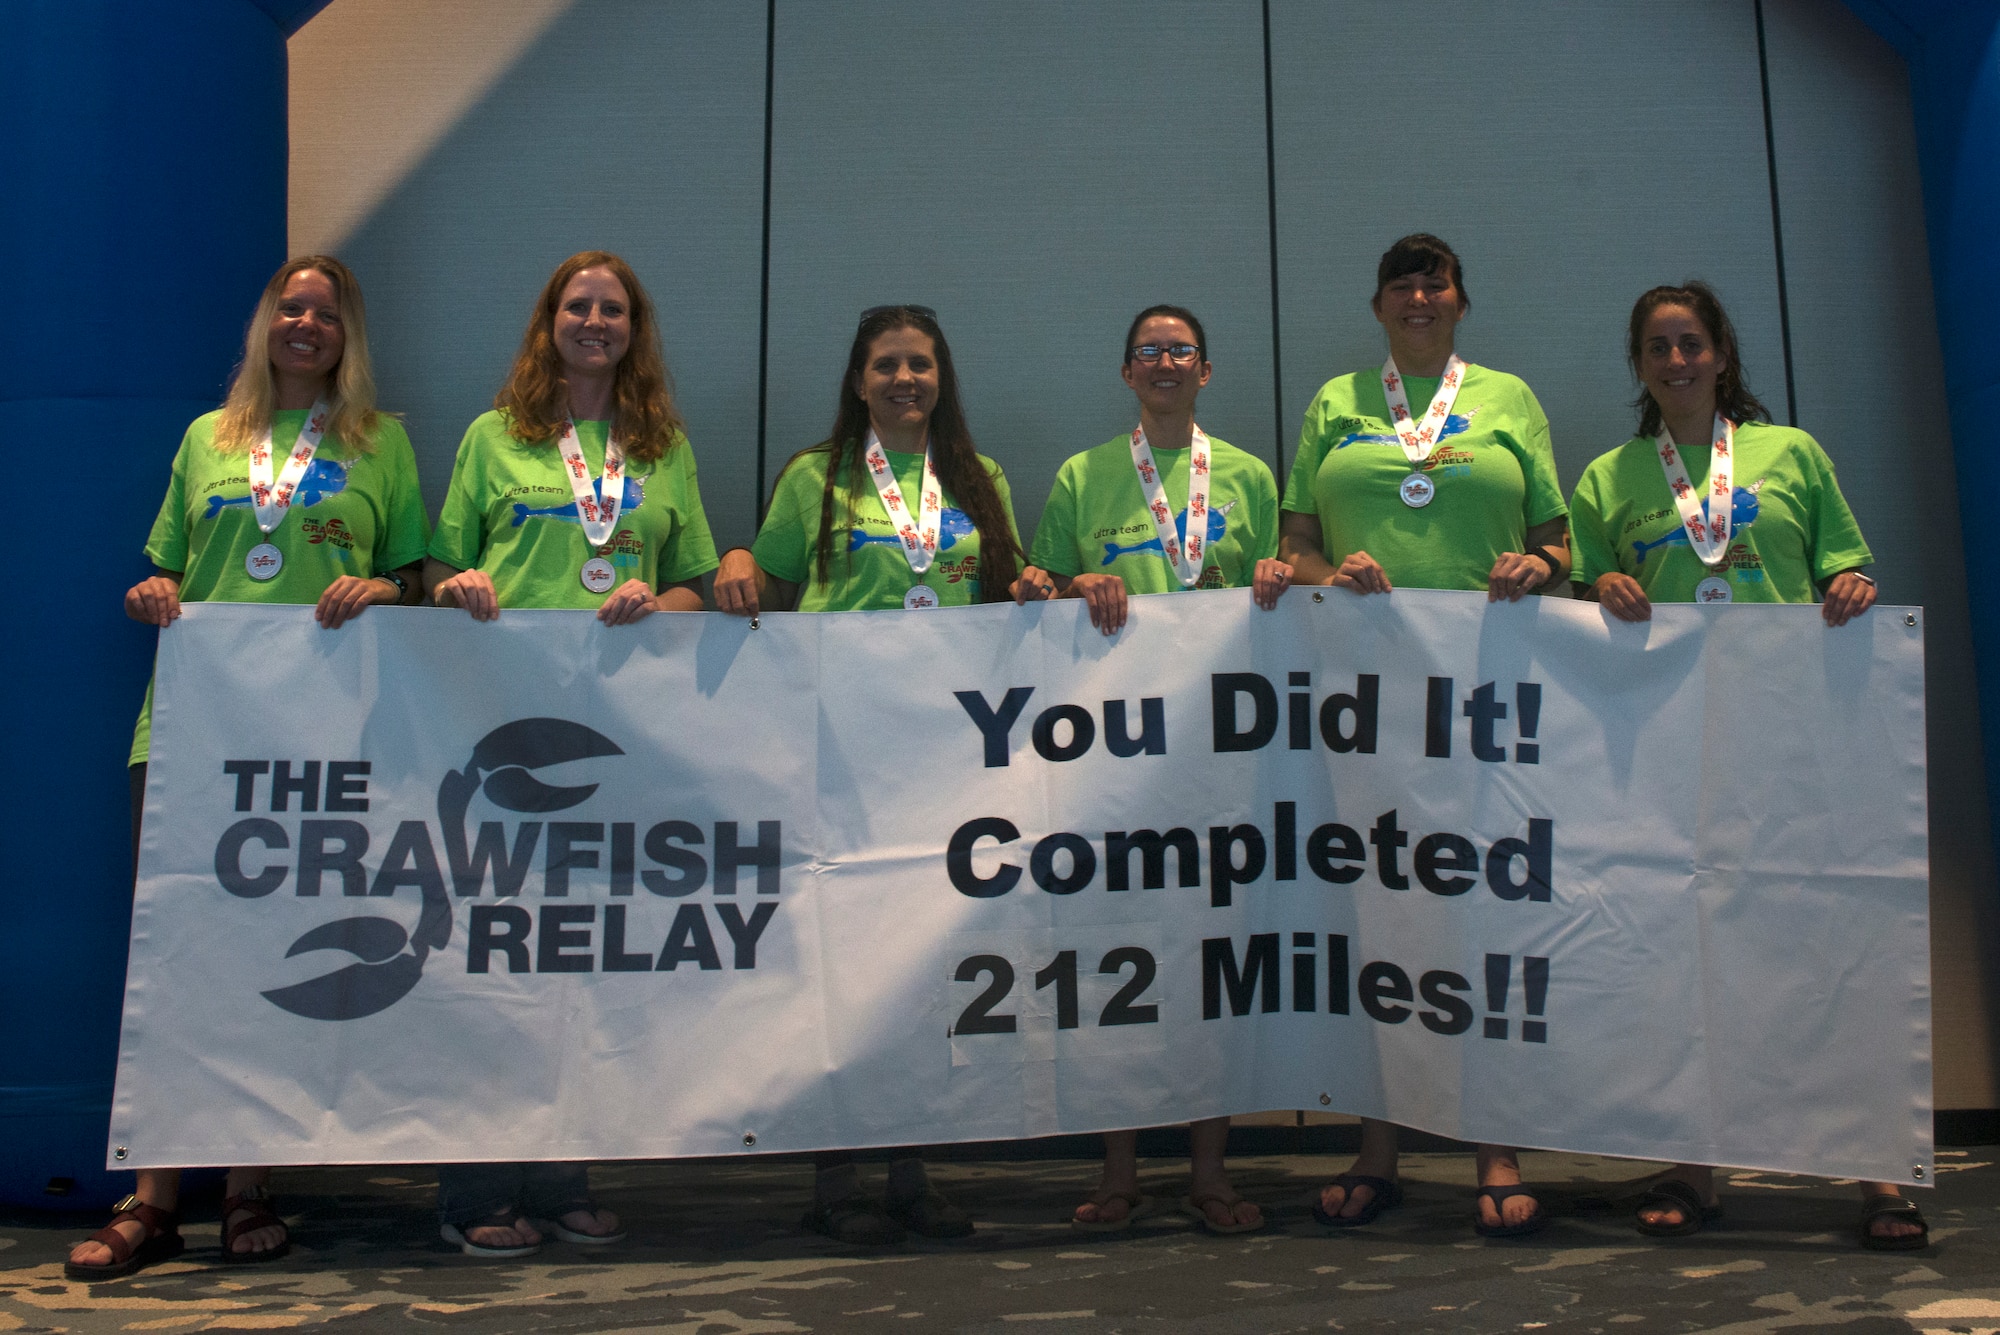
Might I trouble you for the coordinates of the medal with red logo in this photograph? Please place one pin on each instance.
(271, 500)
(918, 534)
(1419, 439)
(1704, 518)
(1185, 559)
(596, 511)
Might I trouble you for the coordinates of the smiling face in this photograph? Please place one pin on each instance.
(899, 381)
(593, 324)
(1421, 312)
(306, 340)
(1165, 387)
(1678, 362)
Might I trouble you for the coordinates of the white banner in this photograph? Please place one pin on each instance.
(425, 890)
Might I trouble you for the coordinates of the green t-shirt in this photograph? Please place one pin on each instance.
(1789, 526)
(355, 513)
(1096, 521)
(868, 570)
(510, 512)
(1494, 472)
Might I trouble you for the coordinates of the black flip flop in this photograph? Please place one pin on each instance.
(1673, 1194)
(1534, 1223)
(1388, 1195)
(1885, 1206)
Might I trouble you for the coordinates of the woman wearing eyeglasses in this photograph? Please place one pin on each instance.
(1162, 508)
(894, 509)
(1431, 473)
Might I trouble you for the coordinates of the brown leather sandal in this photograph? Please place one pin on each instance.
(160, 1242)
(256, 1200)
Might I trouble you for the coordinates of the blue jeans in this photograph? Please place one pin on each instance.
(469, 1192)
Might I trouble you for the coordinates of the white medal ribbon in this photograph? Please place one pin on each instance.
(273, 501)
(599, 518)
(1710, 541)
(1186, 564)
(1420, 438)
(919, 538)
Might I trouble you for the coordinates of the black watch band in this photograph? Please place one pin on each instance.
(402, 585)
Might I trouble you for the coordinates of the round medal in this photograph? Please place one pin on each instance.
(597, 575)
(919, 598)
(1418, 491)
(1714, 589)
(264, 562)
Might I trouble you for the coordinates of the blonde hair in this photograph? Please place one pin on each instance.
(536, 397)
(246, 413)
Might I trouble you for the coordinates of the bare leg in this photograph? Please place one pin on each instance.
(1120, 1179)
(1498, 1167)
(1377, 1159)
(1207, 1140)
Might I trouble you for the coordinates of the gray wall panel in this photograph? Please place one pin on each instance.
(1562, 150)
(1014, 166)
(627, 127)
(1871, 389)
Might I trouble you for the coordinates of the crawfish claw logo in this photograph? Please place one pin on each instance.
(384, 972)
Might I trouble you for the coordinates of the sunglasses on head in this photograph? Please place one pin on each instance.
(874, 311)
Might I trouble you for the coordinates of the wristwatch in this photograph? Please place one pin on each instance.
(402, 585)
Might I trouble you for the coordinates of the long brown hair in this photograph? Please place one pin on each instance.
(953, 456)
(1733, 398)
(253, 394)
(536, 397)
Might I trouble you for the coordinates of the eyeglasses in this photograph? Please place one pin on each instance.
(874, 311)
(1181, 354)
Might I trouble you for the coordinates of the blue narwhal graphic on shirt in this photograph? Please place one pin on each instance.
(1457, 424)
(1218, 524)
(1742, 514)
(953, 524)
(322, 478)
(635, 496)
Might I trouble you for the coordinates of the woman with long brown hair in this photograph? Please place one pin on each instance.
(298, 431)
(577, 491)
(840, 536)
(1713, 503)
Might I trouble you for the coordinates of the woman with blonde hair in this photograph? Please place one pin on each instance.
(299, 430)
(577, 491)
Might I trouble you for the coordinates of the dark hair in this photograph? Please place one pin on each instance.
(1172, 313)
(1420, 252)
(1733, 398)
(953, 455)
(536, 396)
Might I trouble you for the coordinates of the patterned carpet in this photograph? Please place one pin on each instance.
(714, 1251)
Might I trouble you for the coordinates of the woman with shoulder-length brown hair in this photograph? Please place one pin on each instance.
(578, 490)
(298, 431)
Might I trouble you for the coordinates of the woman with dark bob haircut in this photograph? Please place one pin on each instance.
(893, 509)
(1459, 494)
(1711, 503)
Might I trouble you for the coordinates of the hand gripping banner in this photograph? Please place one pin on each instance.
(1508, 872)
